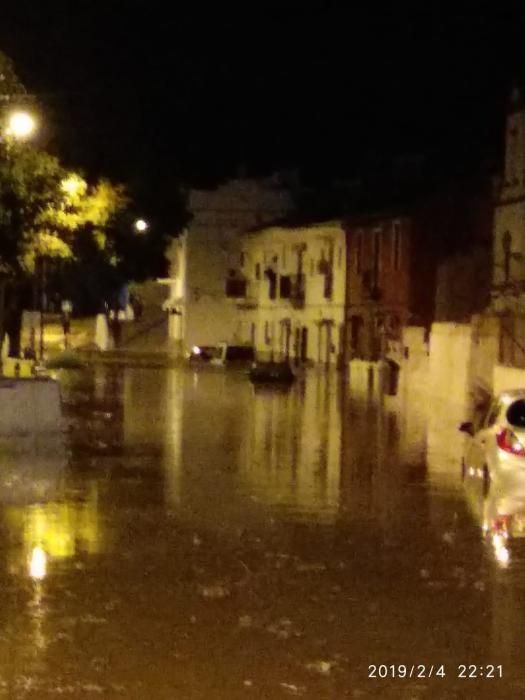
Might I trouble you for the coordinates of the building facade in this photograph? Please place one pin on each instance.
(207, 254)
(379, 265)
(289, 292)
(508, 277)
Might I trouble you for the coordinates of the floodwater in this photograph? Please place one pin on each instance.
(199, 539)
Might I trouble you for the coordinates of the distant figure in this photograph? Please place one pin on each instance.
(66, 326)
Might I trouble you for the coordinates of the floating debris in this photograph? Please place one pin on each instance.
(314, 566)
(215, 591)
(322, 667)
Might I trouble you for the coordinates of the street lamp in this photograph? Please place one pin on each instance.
(141, 226)
(21, 125)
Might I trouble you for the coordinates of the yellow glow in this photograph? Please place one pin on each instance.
(500, 550)
(141, 225)
(38, 564)
(21, 125)
(73, 184)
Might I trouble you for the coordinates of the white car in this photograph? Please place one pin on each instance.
(494, 456)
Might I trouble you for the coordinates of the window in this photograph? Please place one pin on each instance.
(396, 245)
(340, 256)
(272, 280)
(258, 271)
(285, 287)
(359, 252)
(312, 267)
(235, 287)
(242, 259)
(328, 286)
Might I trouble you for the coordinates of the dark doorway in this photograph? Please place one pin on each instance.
(356, 331)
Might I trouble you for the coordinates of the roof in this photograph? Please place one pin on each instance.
(293, 223)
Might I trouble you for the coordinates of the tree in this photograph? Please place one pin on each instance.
(48, 214)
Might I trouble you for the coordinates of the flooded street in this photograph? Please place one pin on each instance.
(200, 539)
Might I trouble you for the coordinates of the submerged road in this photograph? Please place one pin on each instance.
(198, 539)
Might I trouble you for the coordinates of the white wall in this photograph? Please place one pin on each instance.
(508, 378)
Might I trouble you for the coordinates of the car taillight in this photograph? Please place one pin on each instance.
(502, 525)
(508, 441)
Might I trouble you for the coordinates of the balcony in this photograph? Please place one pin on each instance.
(297, 290)
(242, 292)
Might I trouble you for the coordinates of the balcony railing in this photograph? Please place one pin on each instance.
(297, 290)
(243, 292)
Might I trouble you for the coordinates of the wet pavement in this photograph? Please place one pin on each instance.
(200, 539)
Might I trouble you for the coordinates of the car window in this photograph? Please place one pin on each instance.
(516, 413)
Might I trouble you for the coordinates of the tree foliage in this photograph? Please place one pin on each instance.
(10, 84)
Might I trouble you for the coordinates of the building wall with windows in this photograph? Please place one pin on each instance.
(292, 305)
(508, 277)
(378, 286)
(204, 260)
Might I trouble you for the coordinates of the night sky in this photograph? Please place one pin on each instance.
(155, 99)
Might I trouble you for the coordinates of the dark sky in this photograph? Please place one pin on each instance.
(153, 97)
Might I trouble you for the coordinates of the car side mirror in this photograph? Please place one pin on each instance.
(467, 427)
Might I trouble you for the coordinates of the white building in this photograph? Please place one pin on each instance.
(508, 279)
(290, 292)
(205, 256)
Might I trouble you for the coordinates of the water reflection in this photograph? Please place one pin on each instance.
(292, 451)
(42, 534)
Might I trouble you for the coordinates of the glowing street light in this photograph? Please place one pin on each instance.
(141, 226)
(20, 125)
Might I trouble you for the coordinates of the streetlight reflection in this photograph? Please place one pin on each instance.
(38, 564)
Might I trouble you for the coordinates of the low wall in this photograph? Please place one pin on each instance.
(82, 332)
(30, 407)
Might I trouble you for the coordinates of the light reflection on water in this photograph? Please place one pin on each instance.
(154, 451)
(296, 453)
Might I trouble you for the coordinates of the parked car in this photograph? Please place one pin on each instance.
(203, 354)
(234, 355)
(494, 456)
